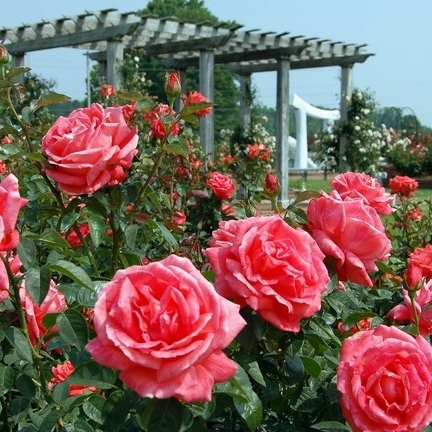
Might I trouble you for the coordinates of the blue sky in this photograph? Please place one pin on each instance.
(398, 32)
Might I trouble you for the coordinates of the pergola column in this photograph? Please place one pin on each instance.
(206, 84)
(245, 100)
(18, 60)
(345, 100)
(114, 61)
(282, 127)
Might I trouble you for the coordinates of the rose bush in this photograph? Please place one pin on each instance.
(150, 294)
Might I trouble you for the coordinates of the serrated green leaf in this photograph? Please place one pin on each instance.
(16, 71)
(72, 328)
(73, 272)
(52, 239)
(26, 250)
(93, 374)
(93, 408)
(26, 386)
(131, 96)
(115, 411)
(191, 109)
(49, 99)
(37, 283)
(7, 376)
(98, 229)
(50, 421)
(355, 317)
(250, 412)
(82, 426)
(177, 148)
(20, 343)
(238, 386)
(311, 366)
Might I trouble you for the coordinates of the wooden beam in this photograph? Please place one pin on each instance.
(74, 39)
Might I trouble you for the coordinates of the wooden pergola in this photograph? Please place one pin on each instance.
(181, 45)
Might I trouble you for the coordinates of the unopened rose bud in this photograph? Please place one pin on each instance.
(4, 55)
(172, 85)
(271, 184)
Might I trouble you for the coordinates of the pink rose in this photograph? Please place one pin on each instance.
(164, 326)
(54, 302)
(10, 205)
(419, 266)
(221, 185)
(61, 372)
(107, 90)
(90, 149)
(351, 235)
(358, 185)
(404, 313)
(179, 218)
(403, 185)
(385, 379)
(273, 268)
(258, 151)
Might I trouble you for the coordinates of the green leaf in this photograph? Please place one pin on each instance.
(115, 411)
(131, 233)
(26, 386)
(98, 229)
(50, 421)
(6, 379)
(73, 272)
(52, 239)
(191, 118)
(93, 374)
(19, 408)
(238, 386)
(355, 317)
(72, 328)
(191, 109)
(49, 99)
(177, 148)
(252, 368)
(203, 409)
(131, 96)
(163, 415)
(61, 392)
(93, 408)
(331, 426)
(251, 412)
(16, 71)
(311, 366)
(20, 343)
(295, 369)
(37, 283)
(68, 220)
(26, 250)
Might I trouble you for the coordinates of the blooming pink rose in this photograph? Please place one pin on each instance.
(107, 90)
(89, 149)
(275, 269)
(403, 313)
(403, 185)
(358, 185)
(196, 97)
(164, 326)
(351, 235)
(10, 205)
(419, 266)
(385, 379)
(258, 151)
(61, 372)
(221, 185)
(54, 302)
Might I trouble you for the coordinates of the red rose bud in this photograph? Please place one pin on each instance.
(4, 55)
(271, 184)
(172, 85)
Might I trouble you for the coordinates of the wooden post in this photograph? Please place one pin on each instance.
(206, 83)
(282, 127)
(245, 101)
(18, 61)
(345, 100)
(114, 61)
